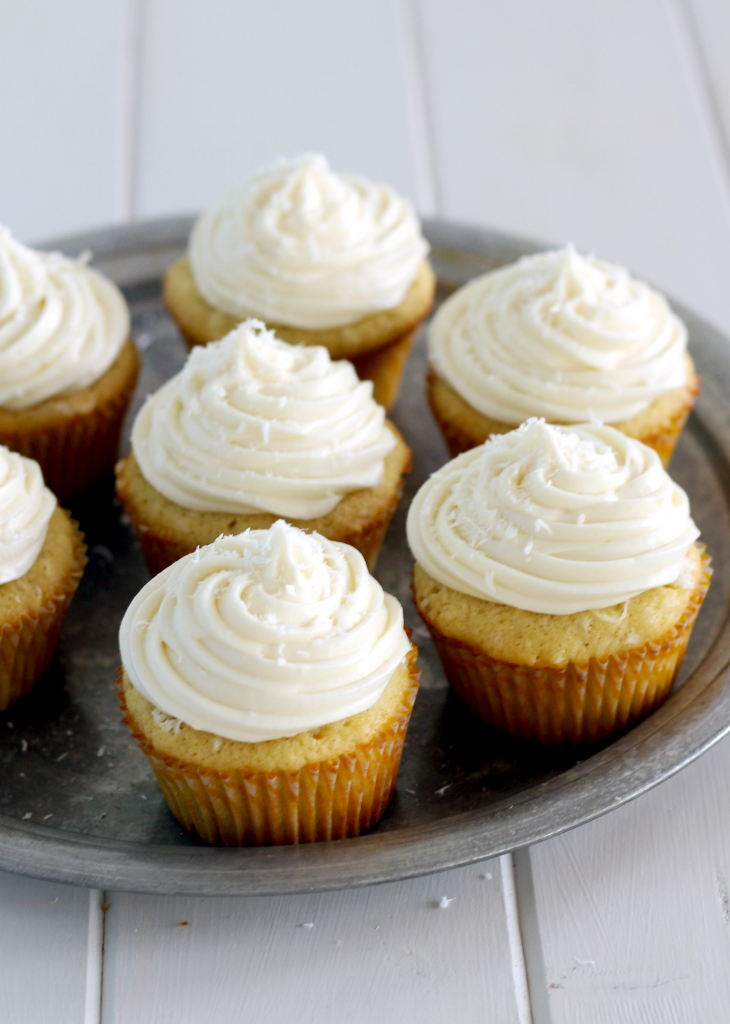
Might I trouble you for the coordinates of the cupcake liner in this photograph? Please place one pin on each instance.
(332, 799)
(459, 439)
(385, 367)
(76, 449)
(161, 548)
(576, 703)
(28, 644)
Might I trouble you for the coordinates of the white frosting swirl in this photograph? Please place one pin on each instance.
(553, 519)
(558, 335)
(301, 246)
(263, 635)
(252, 424)
(26, 506)
(62, 324)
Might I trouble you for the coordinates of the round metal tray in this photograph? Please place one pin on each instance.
(79, 802)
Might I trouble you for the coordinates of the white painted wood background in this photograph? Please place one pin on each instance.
(604, 122)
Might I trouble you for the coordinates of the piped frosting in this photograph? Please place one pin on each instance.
(62, 324)
(26, 507)
(553, 519)
(252, 424)
(559, 335)
(263, 635)
(302, 246)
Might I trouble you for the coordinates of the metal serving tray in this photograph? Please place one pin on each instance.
(79, 802)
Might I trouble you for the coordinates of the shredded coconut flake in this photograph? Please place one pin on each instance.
(166, 722)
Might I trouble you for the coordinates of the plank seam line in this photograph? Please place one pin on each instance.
(94, 957)
(132, 109)
(514, 937)
(412, 60)
(702, 92)
(531, 939)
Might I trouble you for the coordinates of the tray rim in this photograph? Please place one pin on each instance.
(671, 738)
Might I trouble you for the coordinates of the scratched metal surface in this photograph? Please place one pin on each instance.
(78, 800)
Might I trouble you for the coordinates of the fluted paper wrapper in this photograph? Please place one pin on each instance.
(459, 440)
(28, 643)
(576, 703)
(74, 451)
(332, 799)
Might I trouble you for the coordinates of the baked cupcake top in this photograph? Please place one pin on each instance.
(62, 324)
(252, 424)
(559, 335)
(553, 519)
(263, 635)
(26, 507)
(301, 246)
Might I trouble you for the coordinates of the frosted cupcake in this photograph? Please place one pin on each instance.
(67, 365)
(558, 573)
(269, 681)
(42, 557)
(253, 430)
(324, 259)
(565, 337)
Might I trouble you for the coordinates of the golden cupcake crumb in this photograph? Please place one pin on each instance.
(167, 531)
(658, 426)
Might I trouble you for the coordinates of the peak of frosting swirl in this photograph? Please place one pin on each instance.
(301, 246)
(559, 335)
(553, 519)
(62, 324)
(263, 635)
(26, 506)
(252, 424)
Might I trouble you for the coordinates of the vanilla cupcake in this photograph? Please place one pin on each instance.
(565, 337)
(42, 557)
(558, 573)
(269, 681)
(324, 259)
(67, 365)
(252, 430)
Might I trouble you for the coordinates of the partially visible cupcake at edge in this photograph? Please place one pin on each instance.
(251, 430)
(559, 574)
(42, 558)
(569, 338)
(67, 364)
(323, 258)
(269, 681)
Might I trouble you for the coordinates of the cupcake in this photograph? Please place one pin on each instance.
(269, 681)
(558, 573)
(564, 337)
(324, 259)
(67, 365)
(253, 430)
(42, 557)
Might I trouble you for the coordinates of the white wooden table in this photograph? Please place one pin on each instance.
(626, 919)
(604, 122)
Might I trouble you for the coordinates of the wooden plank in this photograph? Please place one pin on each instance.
(44, 945)
(570, 121)
(634, 911)
(63, 74)
(385, 953)
(226, 87)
